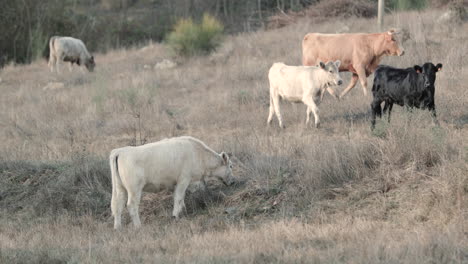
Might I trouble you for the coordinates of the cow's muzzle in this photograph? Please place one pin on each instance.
(340, 82)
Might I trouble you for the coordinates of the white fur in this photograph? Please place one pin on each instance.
(162, 165)
(71, 48)
(301, 84)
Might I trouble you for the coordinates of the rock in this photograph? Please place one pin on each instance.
(343, 29)
(53, 86)
(230, 210)
(165, 64)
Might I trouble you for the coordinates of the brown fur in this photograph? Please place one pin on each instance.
(359, 53)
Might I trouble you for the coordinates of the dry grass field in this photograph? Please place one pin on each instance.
(338, 194)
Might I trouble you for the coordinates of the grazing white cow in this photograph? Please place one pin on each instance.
(301, 84)
(162, 165)
(69, 49)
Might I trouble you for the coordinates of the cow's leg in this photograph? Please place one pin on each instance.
(322, 92)
(51, 62)
(70, 67)
(331, 92)
(388, 106)
(179, 194)
(132, 206)
(277, 110)
(308, 111)
(353, 82)
(361, 71)
(376, 110)
(312, 106)
(317, 118)
(117, 205)
(58, 61)
(272, 110)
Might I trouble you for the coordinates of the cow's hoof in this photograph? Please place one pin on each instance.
(317, 125)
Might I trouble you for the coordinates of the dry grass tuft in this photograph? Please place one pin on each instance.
(35, 189)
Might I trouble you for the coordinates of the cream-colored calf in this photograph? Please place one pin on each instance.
(162, 165)
(301, 84)
(68, 49)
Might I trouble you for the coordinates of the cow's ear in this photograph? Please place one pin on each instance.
(439, 67)
(417, 68)
(338, 63)
(225, 157)
(322, 65)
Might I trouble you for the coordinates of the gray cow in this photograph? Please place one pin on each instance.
(71, 50)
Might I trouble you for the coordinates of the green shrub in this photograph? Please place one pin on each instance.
(189, 38)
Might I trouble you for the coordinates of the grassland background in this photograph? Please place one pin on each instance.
(338, 194)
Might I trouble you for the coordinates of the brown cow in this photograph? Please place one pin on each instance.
(359, 53)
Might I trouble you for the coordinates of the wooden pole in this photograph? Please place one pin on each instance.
(380, 14)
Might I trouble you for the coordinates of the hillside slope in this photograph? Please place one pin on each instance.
(339, 194)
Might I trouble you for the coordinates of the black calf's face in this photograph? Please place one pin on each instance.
(428, 70)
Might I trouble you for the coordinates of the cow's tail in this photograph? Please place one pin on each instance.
(52, 50)
(116, 181)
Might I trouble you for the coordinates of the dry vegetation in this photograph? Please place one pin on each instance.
(338, 194)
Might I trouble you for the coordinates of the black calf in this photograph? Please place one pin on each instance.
(411, 87)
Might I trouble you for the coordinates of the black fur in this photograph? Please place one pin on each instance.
(410, 87)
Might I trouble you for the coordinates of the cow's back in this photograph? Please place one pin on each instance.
(166, 152)
(290, 82)
(397, 85)
(331, 47)
(326, 47)
(70, 46)
(160, 163)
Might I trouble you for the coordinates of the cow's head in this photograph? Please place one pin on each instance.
(391, 44)
(224, 170)
(90, 64)
(332, 72)
(428, 71)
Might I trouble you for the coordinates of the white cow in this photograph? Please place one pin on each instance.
(301, 84)
(69, 49)
(162, 165)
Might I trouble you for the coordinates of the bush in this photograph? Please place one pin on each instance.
(189, 38)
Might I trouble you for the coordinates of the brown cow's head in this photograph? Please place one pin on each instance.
(391, 44)
(90, 64)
